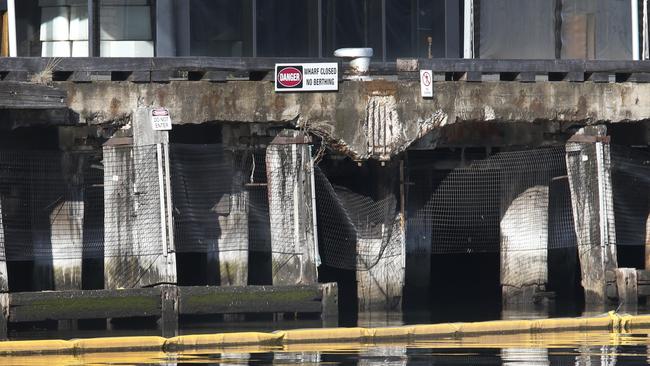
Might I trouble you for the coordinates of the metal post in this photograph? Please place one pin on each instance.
(168, 189)
(635, 29)
(313, 208)
(161, 194)
(468, 29)
(645, 30)
(11, 10)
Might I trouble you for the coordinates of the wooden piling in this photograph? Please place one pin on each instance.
(168, 321)
(627, 286)
(588, 168)
(289, 168)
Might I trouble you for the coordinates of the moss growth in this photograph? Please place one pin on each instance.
(231, 298)
(53, 307)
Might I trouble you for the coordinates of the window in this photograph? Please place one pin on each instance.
(220, 28)
(287, 28)
(517, 29)
(352, 23)
(125, 28)
(596, 29)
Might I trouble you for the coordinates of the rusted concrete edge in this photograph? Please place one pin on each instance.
(364, 119)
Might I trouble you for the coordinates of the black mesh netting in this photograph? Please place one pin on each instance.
(219, 198)
(355, 231)
(108, 203)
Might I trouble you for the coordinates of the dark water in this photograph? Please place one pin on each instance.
(593, 348)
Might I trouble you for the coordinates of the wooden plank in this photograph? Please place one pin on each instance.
(4, 315)
(249, 299)
(140, 76)
(576, 76)
(626, 283)
(267, 63)
(330, 304)
(19, 95)
(599, 77)
(168, 321)
(84, 304)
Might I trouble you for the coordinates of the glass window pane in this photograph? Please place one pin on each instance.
(287, 28)
(517, 29)
(125, 28)
(596, 29)
(220, 28)
(410, 23)
(352, 23)
(51, 28)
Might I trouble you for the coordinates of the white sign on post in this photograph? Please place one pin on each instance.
(307, 77)
(426, 83)
(160, 119)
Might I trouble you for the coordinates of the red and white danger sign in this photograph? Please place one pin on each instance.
(426, 83)
(307, 77)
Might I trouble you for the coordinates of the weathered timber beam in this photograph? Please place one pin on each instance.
(84, 304)
(250, 299)
(573, 70)
(155, 301)
(19, 95)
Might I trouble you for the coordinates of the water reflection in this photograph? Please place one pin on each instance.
(567, 348)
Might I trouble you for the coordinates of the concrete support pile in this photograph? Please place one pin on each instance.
(233, 260)
(67, 224)
(381, 259)
(524, 246)
(138, 245)
(380, 281)
(290, 179)
(233, 242)
(588, 168)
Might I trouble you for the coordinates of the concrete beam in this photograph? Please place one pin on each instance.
(365, 119)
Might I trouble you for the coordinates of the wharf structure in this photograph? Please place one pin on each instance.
(522, 180)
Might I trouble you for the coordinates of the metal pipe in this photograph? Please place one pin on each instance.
(646, 52)
(168, 190)
(468, 29)
(11, 10)
(313, 211)
(161, 196)
(635, 29)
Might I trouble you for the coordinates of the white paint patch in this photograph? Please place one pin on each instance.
(488, 113)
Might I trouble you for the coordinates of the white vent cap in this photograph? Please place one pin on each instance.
(353, 52)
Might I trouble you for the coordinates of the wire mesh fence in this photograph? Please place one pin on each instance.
(219, 199)
(100, 203)
(355, 231)
(495, 203)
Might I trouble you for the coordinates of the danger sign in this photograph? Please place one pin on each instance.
(307, 77)
(426, 83)
(160, 119)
